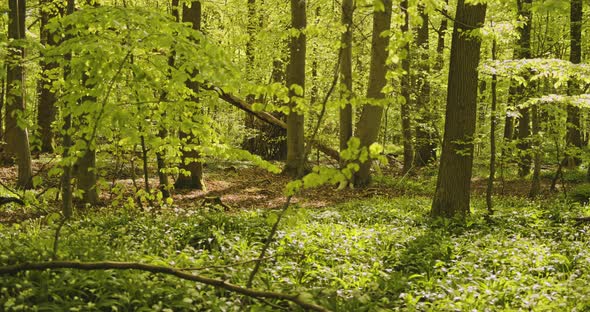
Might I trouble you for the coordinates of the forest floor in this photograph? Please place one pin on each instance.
(240, 186)
(370, 249)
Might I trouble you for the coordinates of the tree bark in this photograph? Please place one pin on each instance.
(17, 137)
(574, 136)
(86, 175)
(346, 116)
(493, 121)
(524, 123)
(405, 92)
(190, 157)
(425, 144)
(66, 182)
(452, 194)
(295, 164)
(440, 43)
(47, 98)
(370, 119)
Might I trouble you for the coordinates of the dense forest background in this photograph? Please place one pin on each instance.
(323, 155)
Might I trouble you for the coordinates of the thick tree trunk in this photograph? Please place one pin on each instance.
(296, 81)
(574, 136)
(47, 98)
(191, 158)
(17, 138)
(425, 144)
(370, 119)
(86, 175)
(405, 92)
(524, 124)
(454, 177)
(346, 120)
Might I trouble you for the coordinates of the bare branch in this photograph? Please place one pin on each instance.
(109, 265)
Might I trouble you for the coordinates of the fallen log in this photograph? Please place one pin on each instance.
(268, 118)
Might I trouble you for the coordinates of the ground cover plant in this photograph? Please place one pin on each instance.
(264, 155)
(364, 255)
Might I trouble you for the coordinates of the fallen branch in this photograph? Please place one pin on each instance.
(580, 220)
(268, 118)
(108, 265)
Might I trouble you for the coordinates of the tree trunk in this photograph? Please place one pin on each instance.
(346, 120)
(440, 44)
(2, 101)
(536, 179)
(86, 175)
(269, 141)
(493, 121)
(454, 177)
(191, 158)
(574, 136)
(524, 124)
(17, 138)
(66, 182)
(405, 92)
(47, 98)
(296, 81)
(370, 119)
(425, 144)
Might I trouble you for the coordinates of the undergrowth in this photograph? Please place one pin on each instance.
(379, 254)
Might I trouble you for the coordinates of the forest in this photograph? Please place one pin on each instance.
(294, 155)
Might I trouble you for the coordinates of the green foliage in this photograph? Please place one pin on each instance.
(580, 193)
(370, 255)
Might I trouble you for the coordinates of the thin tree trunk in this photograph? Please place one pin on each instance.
(346, 120)
(424, 137)
(452, 195)
(2, 101)
(536, 179)
(66, 183)
(405, 92)
(440, 44)
(296, 81)
(524, 124)
(370, 120)
(17, 138)
(574, 136)
(493, 121)
(164, 182)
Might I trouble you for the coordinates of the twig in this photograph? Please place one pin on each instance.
(108, 265)
(267, 242)
(56, 237)
(306, 153)
(227, 265)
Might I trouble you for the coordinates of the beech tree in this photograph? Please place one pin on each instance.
(574, 134)
(453, 185)
(346, 114)
(17, 137)
(296, 83)
(523, 51)
(191, 175)
(370, 120)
